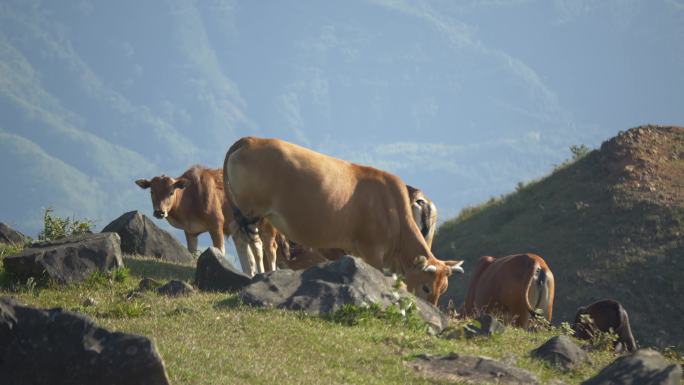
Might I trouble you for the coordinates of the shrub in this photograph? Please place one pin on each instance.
(579, 151)
(55, 227)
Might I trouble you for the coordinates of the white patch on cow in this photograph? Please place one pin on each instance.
(430, 269)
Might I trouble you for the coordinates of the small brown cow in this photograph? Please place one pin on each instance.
(195, 202)
(515, 285)
(324, 202)
(606, 315)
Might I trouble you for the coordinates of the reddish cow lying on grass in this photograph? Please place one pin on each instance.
(606, 315)
(515, 285)
(195, 203)
(324, 202)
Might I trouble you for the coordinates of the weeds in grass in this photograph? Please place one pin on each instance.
(127, 309)
(106, 278)
(404, 312)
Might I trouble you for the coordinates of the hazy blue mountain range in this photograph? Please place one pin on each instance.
(460, 98)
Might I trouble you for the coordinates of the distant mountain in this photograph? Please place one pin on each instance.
(95, 94)
(610, 224)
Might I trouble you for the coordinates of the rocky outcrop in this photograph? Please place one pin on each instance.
(325, 288)
(477, 370)
(11, 236)
(215, 273)
(139, 235)
(645, 367)
(67, 260)
(58, 347)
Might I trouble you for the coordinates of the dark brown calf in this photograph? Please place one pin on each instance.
(606, 314)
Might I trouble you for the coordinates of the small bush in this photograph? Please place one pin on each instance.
(55, 227)
(579, 151)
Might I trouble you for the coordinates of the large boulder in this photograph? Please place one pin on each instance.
(645, 367)
(560, 350)
(215, 273)
(326, 287)
(71, 259)
(139, 235)
(55, 347)
(478, 370)
(11, 236)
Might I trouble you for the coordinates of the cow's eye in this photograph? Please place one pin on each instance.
(426, 289)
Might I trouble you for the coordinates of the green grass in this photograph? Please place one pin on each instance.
(211, 338)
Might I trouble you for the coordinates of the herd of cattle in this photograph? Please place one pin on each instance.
(286, 205)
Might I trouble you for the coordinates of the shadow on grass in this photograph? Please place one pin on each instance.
(158, 269)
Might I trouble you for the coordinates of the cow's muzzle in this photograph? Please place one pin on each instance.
(159, 214)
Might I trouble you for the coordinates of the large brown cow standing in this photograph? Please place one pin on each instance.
(195, 203)
(606, 315)
(515, 285)
(324, 202)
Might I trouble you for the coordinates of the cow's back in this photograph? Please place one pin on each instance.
(307, 195)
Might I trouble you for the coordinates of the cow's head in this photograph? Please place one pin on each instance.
(429, 279)
(162, 190)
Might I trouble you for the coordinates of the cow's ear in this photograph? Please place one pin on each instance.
(182, 183)
(420, 262)
(455, 266)
(143, 183)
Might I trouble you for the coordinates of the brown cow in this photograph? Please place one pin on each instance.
(195, 203)
(515, 285)
(294, 256)
(606, 315)
(324, 202)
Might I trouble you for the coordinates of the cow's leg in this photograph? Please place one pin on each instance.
(217, 239)
(191, 240)
(269, 247)
(256, 246)
(242, 246)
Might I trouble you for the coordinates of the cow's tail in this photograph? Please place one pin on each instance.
(245, 224)
(537, 284)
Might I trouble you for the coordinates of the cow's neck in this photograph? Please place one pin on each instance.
(410, 246)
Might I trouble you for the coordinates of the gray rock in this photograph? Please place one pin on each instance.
(58, 347)
(486, 326)
(326, 287)
(11, 236)
(175, 288)
(645, 367)
(71, 259)
(478, 370)
(139, 235)
(560, 350)
(215, 273)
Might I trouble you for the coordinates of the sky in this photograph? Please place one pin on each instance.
(461, 98)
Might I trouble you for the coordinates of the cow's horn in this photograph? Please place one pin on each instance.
(455, 266)
(430, 269)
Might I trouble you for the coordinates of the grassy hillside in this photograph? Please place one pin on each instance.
(610, 224)
(212, 339)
